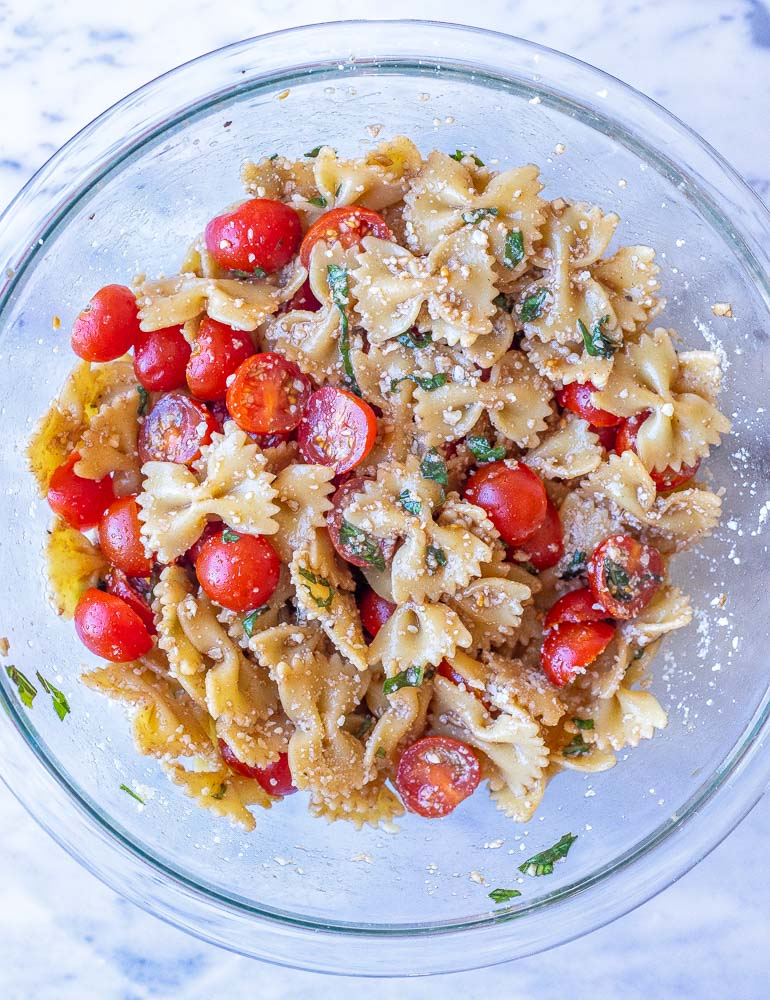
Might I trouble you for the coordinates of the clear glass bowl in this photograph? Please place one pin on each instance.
(125, 196)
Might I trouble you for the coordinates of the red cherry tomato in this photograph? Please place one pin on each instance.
(374, 610)
(624, 574)
(240, 572)
(435, 774)
(160, 359)
(303, 300)
(570, 647)
(274, 778)
(268, 394)
(260, 233)
(669, 478)
(546, 546)
(355, 547)
(347, 226)
(576, 606)
(119, 585)
(175, 429)
(338, 429)
(120, 537)
(607, 436)
(577, 397)
(108, 326)
(81, 502)
(108, 627)
(216, 355)
(513, 497)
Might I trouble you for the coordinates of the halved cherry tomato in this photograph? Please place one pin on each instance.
(624, 574)
(238, 571)
(218, 410)
(260, 233)
(356, 547)
(81, 502)
(513, 497)
(669, 478)
(268, 394)
(374, 610)
(577, 397)
(569, 648)
(160, 359)
(216, 355)
(108, 326)
(270, 440)
(108, 627)
(120, 537)
(546, 546)
(607, 436)
(576, 606)
(435, 774)
(302, 299)
(274, 778)
(175, 429)
(347, 226)
(119, 585)
(338, 429)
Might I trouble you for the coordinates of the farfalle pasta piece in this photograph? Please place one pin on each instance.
(490, 608)
(668, 610)
(521, 681)
(373, 805)
(562, 364)
(302, 496)
(222, 792)
(586, 521)
(418, 635)
(455, 281)
(628, 717)
(109, 443)
(231, 484)
(243, 626)
(630, 278)
(72, 565)
(681, 426)
(377, 180)
(281, 179)
(571, 450)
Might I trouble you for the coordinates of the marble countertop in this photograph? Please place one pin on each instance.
(62, 934)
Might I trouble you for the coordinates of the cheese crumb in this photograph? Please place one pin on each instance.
(722, 309)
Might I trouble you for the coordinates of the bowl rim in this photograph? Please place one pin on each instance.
(187, 903)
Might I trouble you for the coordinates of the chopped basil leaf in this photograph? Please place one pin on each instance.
(529, 567)
(365, 726)
(337, 190)
(435, 558)
(25, 687)
(639, 653)
(577, 746)
(459, 155)
(220, 792)
(532, 306)
(575, 567)
(411, 338)
(427, 382)
(584, 723)
(60, 703)
(273, 156)
(379, 752)
(410, 504)
(597, 343)
(312, 153)
(411, 677)
(362, 544)
(229, 536)
(250, 621)
(131, 792)
(322, 600)
(513, 253)
(475, 215)
(258, 272)
(617, 580)
(501, 301)
(338, 285)
(503, 895)
(542, 864)
(319, 202)
(144, 400)
(483, 451)
(433, 467)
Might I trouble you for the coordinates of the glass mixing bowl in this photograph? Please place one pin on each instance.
(125, 196)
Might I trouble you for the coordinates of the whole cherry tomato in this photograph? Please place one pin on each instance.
(374, 610)
(238, 571)
(119, 585)
(545, 547)
(513, 497)
(120, 537)
(274, 778)
(108, 326)
(348, 226)
(216, 355)
(577, 397)
(258, 235)
(570, 647)
(108, 627)
(160, 359)
(79, 501)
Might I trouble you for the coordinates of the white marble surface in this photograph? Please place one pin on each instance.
(62, 934)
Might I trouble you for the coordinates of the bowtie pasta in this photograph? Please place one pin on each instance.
(376, 498)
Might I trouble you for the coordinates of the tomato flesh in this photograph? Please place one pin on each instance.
(355, 547)
(576, 606)
(348, 226)
(216, 355)
(274, 778)
(80, 502)
(160, 359)
(374, 610)
(120, 537)
(175, 430)
(570, 647)
(259, 234)
(577, 397)
(545, 547)
(513, 497)
(623, 574)
(119, 585)
(268, 394)
(108, 627)
(436, 774)
(665, 481)
(240, 572)
(108, 326)
(303, 300)
(337, 429)
(607, 436)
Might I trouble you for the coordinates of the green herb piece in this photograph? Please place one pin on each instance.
(24, 686)
(273, 156)
(60, 703)
(132, 793)
(639, 653)
(338, 285)
(617, 580)
(365, 726)
(529, 567)
(413, 339)
(427, 382)
(229, 536)
(410, 504)
(483, 451)
(433, 467)
(250, 621)
(220, 792)
(501, 301)
(513, 252)
(379, 752)
(532, 306)
(435, 558)
(312, 153)
(475, 215)
(144, 400)
(337, 190)
(411, 677)
(321, 584)
(577, 747)
(258, 272)
(584, 723)
(597, 343)
(575, 567)
(362, 544)
(542, 864)
(503, 895)
(459, 155)
(101, 585)
(319, 202)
